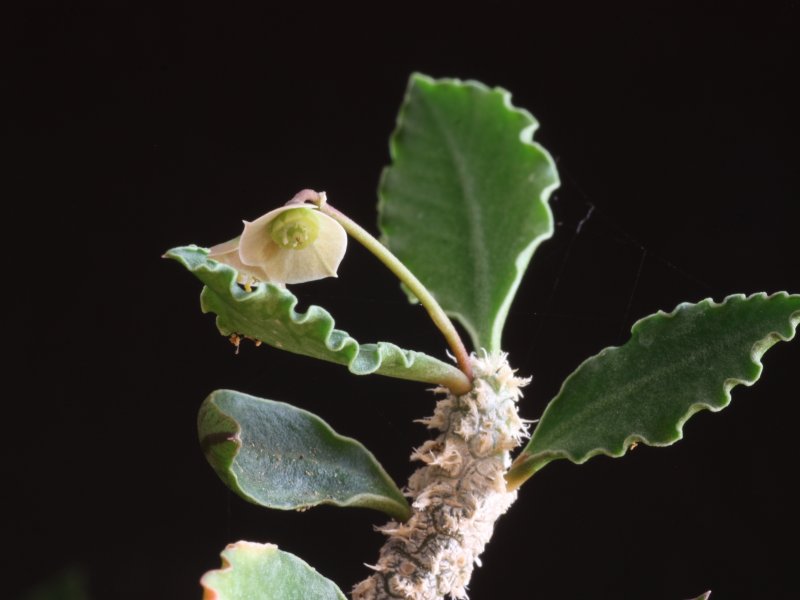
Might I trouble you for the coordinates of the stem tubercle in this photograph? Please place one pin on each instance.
(426, 299)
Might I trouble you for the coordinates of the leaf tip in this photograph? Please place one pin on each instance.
(254, 570)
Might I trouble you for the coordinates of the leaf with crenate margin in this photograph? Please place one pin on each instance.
(280, 456)
(644, 391)
(267, 314)
(464, 202)
(252, 571)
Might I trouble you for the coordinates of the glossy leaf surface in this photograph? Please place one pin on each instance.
(252, 571)
(464, 202)
(280, 456)
(644, 391)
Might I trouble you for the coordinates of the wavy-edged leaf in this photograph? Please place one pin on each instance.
(252, 571)
(673, 366)
(464, 202)
(280, 456)
(267, 314)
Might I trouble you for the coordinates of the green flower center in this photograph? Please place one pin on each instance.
(295, 229)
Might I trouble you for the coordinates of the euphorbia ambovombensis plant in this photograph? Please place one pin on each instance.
(462, 209)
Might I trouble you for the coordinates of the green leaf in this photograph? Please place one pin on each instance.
(464, 203)
(253, 571)
(280, 456)
(267, 315)
(644, 391)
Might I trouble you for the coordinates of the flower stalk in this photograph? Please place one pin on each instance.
(426, 299)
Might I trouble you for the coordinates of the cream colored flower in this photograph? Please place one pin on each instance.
(291, 244)
(228, 253)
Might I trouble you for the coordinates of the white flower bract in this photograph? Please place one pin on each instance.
(291, 244)
(228, 254)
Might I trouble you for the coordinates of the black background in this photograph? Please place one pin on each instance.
(134, 129)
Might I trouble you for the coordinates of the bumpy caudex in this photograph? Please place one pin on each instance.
(463, 207)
